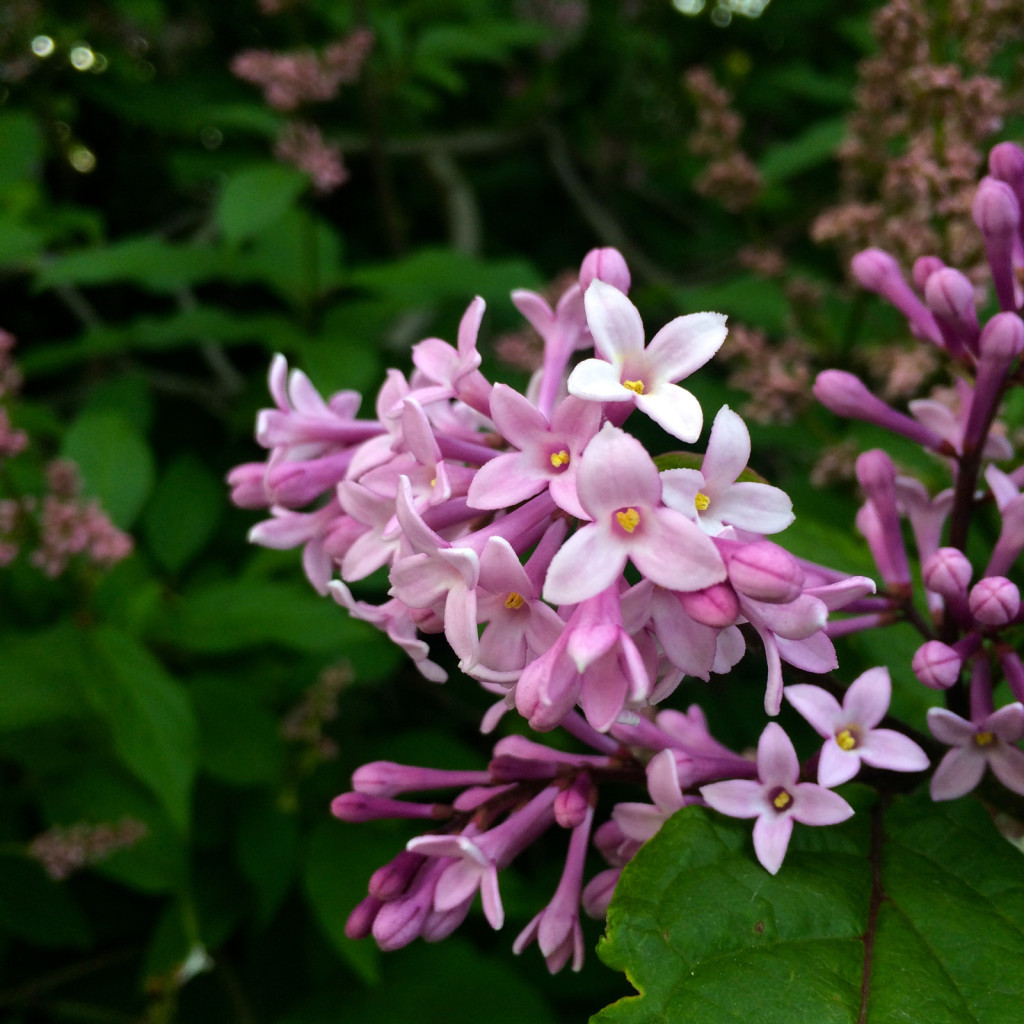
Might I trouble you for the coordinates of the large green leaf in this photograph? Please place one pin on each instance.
(149, 716)
(40, 677)
(911, 915)
(115, 462)
(256, 197)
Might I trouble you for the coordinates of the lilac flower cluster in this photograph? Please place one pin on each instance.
(578, 580)
(58, 525)
(971, 615)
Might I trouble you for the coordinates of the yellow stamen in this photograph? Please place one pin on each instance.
(629, 519)
(984, 739)
(514, 600)
(782, 800)
(433, 482)
(634, 385)
(846, 740)
(702, 501)
(559, 459)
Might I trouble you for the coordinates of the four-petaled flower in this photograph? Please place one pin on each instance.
(776, 798)
(976, 744)
(849, 730)
(628, 372)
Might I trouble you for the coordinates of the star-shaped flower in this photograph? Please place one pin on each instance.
(992, 742)
(850, 734)
(776, 798)
(629, 372)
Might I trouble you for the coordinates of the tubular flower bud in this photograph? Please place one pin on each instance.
(937, 665)
(994, 601)
(878, 272)
(604, 265)
(997, 214)
(846, 395)
(1006, 162)
(950, 296)
(766, 572)
(877, 475)
(947, 572)
(1002, 340)
(924, 267)
(715, 606)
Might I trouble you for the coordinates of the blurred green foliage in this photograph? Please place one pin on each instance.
(152, 256)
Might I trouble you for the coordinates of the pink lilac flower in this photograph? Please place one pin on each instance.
(990, 741)
(849, 730)
(711, 495)
(777, 799)
(629, 372)
(620, 489)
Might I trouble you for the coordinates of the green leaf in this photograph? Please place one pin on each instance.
(256, 197)
(921, 916)
(749, 299)
(816, 146)
(21, 148)
(40, 677)
(239, 739)
(184, 511)
(147, 261)
(339, 861)
(36, 908)
(149, 716)
(114, 460)
(267, 843)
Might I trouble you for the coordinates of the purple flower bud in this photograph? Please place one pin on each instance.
(846, 395)
(937, 665)
(997, 214)
(994, 601)
(358, 807)
(716, 606)
(360, 921)
(571, 805)
(950, 296)
(1006, 162)
(386, 778)
(391, 880)
(878, 272)
(924, 267)
(947, 572)
(877, 475)
(1002, 340)
(604, 265)
(765, 572)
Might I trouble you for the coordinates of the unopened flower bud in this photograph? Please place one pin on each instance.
(947, 572)
(846, 395)
(765, 572)
(604, 265)
(923, 269)
(937, 665)
(391, 880)
(571, 804)
(949, 294)
(716, 606)
(877, 271)
(997, 214)
(1006, 162)
(1002, 339)
(358, 807)
(994, 601)
(386, 778)
(360, 921)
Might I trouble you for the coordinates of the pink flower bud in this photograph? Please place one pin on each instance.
(1002, 340)
(937, 665)
(875, 270)
(360, 921)
(950, 297)
(358, 807)
(765, 572)
(391, 880)
(571, 804)
(1006, 162)
(994, 601)
(924, 268)
(604, 265)
(716, 606)
(878, 271)
(995, 210)
(947, 572)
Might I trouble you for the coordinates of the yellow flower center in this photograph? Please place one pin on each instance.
(702, 502)
(514, 600)
(846, 739)
(628, 519)
(560, 459)
(782, 800)
(634, 385)
(984, 739)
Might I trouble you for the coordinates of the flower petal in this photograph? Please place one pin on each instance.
(614, 322)
(771, 839)
(816, 705)
(598, 381)
(686, 344)
(777, 763)
(674, 409)
(868, 696)
(728, 449)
